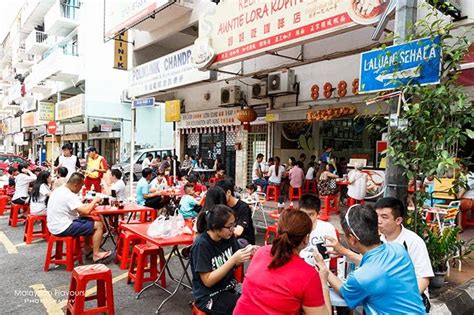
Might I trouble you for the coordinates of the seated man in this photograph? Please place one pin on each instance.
(144, 196)
(385, 282)
(311, 204)
(64, 215)
(118, 185)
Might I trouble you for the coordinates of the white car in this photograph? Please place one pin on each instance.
(138, 158)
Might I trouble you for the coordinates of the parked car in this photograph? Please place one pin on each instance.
(138, 158)
(9, 159)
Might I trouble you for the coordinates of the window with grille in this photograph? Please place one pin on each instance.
(257, 143)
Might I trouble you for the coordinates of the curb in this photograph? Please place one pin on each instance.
(459, 300)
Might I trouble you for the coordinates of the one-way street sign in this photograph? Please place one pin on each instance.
(388, 68)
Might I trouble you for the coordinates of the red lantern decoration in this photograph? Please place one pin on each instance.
(246, 115)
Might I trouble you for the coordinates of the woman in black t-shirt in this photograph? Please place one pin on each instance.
(214, 255)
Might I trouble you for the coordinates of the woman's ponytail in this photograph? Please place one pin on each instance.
(293, 227)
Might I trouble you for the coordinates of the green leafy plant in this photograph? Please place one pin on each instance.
(442, 246)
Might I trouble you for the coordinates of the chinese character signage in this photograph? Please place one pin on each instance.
(72, 107)
(45, 112)
(173, 111)
(164, 73)
(28, 119)
(211, 118)
(244, 28)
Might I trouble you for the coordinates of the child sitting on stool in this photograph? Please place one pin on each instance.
(188, 206)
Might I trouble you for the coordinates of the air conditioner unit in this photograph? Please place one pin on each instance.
(259, 90)
(124, 98)
(282, 82)
(230, 96)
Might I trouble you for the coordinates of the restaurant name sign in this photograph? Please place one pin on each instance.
(235, 30)
(72, 107)
(211, 118)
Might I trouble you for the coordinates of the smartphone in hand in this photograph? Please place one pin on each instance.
(322, 250)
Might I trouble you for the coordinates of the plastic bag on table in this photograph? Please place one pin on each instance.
(166, 227)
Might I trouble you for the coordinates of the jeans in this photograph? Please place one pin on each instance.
(261, 182)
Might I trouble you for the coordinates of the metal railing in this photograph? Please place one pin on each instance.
(40, 37)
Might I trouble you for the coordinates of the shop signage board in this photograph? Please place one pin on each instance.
(164, 73)
(28, 119)
(105, 128)
(70, 108)
(237, 30)
(386, 69)
(121, 52)
(143, 102)
(45, 112)
(122, 14)
(173, 111)
(28, 104)
(15, 125)
(211, 118)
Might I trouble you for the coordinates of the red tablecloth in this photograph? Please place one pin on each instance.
(142, 228)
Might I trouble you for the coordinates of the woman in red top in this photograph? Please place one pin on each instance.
(278, 281)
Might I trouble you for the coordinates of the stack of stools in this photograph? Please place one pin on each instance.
(140, 264)
(310, 186)
(126, 239)
(295, 193)
(327, 208)
(30, 232)
(273, 193)
(15, 213)
(63, 256)
(4, 200)
(77, 290)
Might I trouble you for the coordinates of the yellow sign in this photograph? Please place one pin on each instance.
(45, 111)
(72, 107)
(121, 52)
(173, 111)
(272, 117)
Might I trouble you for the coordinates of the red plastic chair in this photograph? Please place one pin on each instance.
(310, 186)
(15, 212)
(139, 263)
(63, 256)
(30, 233)
(351, 201)
(273, 193)
(295, 193)
(126, 239)
(271, 229)
(3, 203)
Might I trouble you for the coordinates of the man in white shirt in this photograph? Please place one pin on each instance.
(358, 183)
(147, 161)
(311, 204)
(118, 185)
(67, 160)
(257, 174)
(22, 183)
(66, 215)
(390, 212)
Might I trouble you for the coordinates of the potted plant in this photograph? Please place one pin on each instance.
(442, 247)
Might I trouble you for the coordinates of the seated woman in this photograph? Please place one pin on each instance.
(275, 172)
(214, 255)
(327, 182)
(278, 281)
(40, 193)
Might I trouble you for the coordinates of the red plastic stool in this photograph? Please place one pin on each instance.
(147, 216)
(77, 290)
(197, 311)
(72, 253)
(273, 193)
(212, 181)
(171, 180)
(4, 199)
(467, 222)
(310, 186)
(126, 239)
(271, 229)
(327, 208)
(30, 232)
(297, 195)
(14, 213)
(351, 201)
(138, 265)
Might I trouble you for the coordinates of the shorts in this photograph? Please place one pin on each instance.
(79, 227)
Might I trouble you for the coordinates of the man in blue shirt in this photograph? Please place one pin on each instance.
(385, 282)
(144, 196)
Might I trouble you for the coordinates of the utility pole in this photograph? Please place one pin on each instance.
(405, 18)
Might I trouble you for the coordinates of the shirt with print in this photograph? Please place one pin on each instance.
(143, 188)
(317, 237)
(385, 283)
(243, 217)
(417, 251)
(208, 255)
